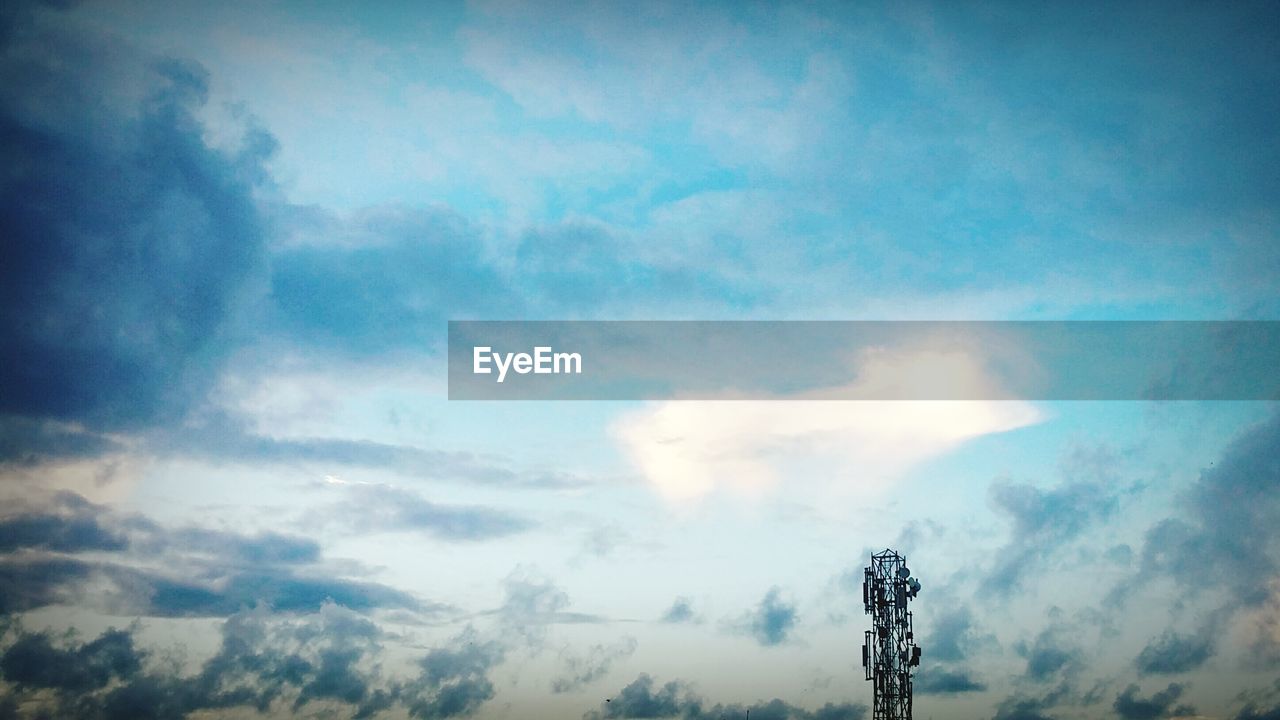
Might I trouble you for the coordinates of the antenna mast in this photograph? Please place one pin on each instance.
(889, 652)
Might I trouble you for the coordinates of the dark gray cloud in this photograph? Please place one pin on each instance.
(454, 681)
(1252, 711)
(940, 680)
(128, 241)
(140, 567)
(1021, 709)
(582, 670)
(70, 525)
(1231, 513)
(282, 590)
(1053, 652)
(953, 633)
(28, 442)
(1043, 521)
(642, 698)
(681, 611)
(950, 642)
(29, 583)
(1021, 706)
(1173, 653)
(772, 621)
(1130, 706)
(33, 661)
(280, 665)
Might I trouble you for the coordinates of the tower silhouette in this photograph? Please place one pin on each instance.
(889, 652)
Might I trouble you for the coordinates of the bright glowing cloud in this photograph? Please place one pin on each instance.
(688, 449)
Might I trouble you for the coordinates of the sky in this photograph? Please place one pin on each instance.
(232, 484)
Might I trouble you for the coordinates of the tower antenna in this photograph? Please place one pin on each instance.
(889, 652)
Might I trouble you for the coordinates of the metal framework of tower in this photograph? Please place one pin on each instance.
(889, 653)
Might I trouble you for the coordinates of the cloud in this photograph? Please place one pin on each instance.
(276, 665)
(952, 633)
(1053, 651)
(676, 699)
(689, 449)
(1043, 521)
(531, 602)
(772, 621)
(33, 661)
(223, 438)
(383, 279)
(584, 670)
(1021, 709)
(30, 583)
(375, 507)
(1172, 653)
(27, 442)
(1130, 706)
(1032, 707)
(73, 526)
(639, 699)
(938, 680)
(1231, 513)
(1251, 711)
(681, 611)
(79, 552)
(453, 680)
(130, 243)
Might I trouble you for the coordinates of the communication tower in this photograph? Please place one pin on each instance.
(890, 651)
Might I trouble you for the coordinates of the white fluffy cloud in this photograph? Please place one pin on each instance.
(689, 449)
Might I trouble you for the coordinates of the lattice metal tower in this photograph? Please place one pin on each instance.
(890, 651)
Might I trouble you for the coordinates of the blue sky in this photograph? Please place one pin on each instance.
(233, 234)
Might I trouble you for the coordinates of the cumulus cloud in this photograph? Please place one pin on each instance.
(34, 661)
(268, 663)
(129, 241)
(1053, 652)
(1230, 514)
(681, 611)
(771, 622)
(1174, 653)
(642, 698)
(1021, 706)
(454, 680)
(1044, 520)
(1131, 706)
(1252, 711)
(689, 449)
